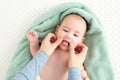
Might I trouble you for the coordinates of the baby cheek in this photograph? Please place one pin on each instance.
(60, 35)
(77, 42)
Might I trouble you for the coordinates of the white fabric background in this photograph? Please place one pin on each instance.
(17, 15)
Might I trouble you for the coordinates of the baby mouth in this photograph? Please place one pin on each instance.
(65, 43)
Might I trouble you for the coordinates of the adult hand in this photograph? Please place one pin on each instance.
(50, 43)
(77, 59)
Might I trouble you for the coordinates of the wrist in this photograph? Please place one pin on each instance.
(74, 66)
(45, 51)
(77, 66)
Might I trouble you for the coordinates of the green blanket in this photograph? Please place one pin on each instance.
(97, 63)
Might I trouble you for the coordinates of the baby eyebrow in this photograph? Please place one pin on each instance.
(77, 32)
(65, 27)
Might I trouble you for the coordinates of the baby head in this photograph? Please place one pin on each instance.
(72, 28)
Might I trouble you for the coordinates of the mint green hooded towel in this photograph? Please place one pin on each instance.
(97, 62)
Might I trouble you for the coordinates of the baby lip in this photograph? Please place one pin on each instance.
(67, 42)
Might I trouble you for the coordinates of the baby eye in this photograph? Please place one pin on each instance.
(75, 35)
(65, 30)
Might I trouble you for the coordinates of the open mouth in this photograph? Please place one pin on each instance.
(65, 43)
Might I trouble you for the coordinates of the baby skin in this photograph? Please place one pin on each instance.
(57, 63)
(34, 47)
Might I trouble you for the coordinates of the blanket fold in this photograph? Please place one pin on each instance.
(97, 63)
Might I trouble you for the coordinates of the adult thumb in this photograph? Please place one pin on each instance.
(71, 48)
(57, 42)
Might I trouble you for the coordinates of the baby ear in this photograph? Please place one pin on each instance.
(83, 39)
(57, 28)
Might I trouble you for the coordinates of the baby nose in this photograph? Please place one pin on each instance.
(69, 36)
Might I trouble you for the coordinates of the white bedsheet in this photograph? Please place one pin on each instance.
(17, 15)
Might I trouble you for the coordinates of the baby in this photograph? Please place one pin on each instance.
(72, 29)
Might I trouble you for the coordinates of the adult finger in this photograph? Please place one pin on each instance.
(84, 74)
(84, 49)
(71, 47)
(57, 42)
(49, 36)
(47, 39)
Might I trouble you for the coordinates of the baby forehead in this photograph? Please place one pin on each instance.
(73, 16)
(74, 21)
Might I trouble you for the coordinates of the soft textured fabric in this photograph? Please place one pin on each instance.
(97, 62)
(32, 69)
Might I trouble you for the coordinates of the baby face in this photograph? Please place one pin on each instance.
(72, 28)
